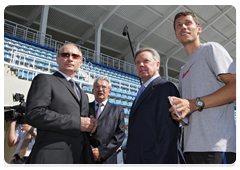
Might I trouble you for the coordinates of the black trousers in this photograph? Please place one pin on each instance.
(210, 157)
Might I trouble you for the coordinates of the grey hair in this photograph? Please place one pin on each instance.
(155, 54)
(101, 78)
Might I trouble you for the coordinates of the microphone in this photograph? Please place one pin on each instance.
(125, 31)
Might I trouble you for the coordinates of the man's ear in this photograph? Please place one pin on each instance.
(199, 29)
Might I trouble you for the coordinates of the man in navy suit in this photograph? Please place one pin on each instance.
(110, 130)
(152, 133)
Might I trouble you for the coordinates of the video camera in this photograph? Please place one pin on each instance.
(17, 112)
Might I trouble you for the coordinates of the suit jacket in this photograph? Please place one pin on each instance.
(55, 111)
(152, 133)
(110, 131)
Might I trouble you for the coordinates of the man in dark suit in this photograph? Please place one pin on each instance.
(59, 110)
(110, 131)
(152, 133)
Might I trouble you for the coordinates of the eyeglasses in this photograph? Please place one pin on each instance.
(67, 55)
(103, 87)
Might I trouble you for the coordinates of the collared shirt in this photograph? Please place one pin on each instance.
(68, 78)
(102, 107)
(150, 80)
(20, 135)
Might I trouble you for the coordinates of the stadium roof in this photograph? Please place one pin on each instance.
(148, 25)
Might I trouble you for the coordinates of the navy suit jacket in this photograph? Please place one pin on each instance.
(110, 131)
(152, 133)
(53, 108)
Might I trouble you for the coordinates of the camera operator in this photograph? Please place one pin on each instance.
(24, 136)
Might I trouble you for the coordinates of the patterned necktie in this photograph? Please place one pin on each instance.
(72, 82)
(98, 110)
(139, 93)
(24, 146)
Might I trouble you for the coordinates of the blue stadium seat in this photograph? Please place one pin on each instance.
(124, 103)
(126, 111)
(112, 101)
(129, 104)
(118, 102)
(112, 94)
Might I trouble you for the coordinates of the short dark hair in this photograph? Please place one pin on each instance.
(185, 13)
(60, 49)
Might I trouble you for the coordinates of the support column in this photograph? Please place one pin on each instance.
(97, 47)
(165, 69)
(43, 23)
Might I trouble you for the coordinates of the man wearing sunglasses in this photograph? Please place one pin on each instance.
(59, 109)
(207, 86)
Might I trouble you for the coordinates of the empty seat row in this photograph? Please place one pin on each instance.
(28, 42)
(121, 103)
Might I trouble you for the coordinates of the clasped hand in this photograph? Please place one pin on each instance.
(96, 154)
(89, 124)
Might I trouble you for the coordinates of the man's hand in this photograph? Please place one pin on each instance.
(96, 154)
(89, 124)
(26, 127)
(182, 105)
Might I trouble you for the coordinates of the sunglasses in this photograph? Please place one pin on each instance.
(67, 55)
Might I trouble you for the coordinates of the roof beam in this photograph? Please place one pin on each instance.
(157, 24)
(101, 20)
(36, 11)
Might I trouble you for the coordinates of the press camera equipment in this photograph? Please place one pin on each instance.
(17, 112)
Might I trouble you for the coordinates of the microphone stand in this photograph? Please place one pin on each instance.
(125, 32)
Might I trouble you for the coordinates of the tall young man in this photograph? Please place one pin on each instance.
(207, 86)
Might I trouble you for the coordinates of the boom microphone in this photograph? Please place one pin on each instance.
(125, 30)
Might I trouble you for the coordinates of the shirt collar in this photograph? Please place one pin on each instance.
(66, 76)
(104, 102)
(150, 80)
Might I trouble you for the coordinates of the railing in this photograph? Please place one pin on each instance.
(34, 65)
(106, 59)
(30, 34)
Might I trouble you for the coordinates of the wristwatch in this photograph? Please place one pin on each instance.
(199, 103)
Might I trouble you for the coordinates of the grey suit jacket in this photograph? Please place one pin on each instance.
(110, 131)
(54, 110)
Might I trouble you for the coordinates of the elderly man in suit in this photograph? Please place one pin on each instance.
(110, 131)
(58, 108)
(152, 133)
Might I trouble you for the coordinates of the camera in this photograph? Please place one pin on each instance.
(17, 112)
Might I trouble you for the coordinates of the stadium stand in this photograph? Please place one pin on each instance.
(26, 59)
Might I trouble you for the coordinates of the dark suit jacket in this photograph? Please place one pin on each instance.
(152, 133)
(110, 131)
(54, 110)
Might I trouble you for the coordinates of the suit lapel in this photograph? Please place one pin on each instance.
(92, 110)
(60, 77)
(145, 93)
(84, 103)
(105, 111)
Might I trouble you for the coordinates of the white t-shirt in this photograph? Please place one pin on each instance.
(213, 129)
(20, 135)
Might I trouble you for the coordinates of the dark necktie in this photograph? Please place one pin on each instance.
(72, 82)
(98, 110)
